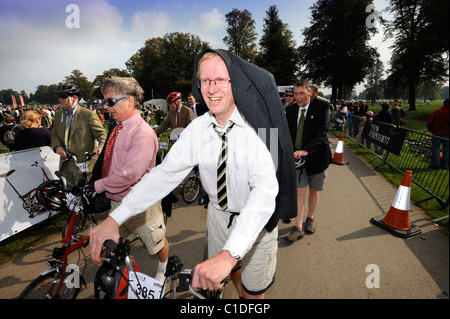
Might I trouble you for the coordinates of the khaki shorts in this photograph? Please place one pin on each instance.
(258, 265)
(149, 225)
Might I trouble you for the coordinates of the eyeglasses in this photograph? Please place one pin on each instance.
(220, 83)
(112, 102)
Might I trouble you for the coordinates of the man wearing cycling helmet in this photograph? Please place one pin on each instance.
(76, 130)
(238, 228)
(179, 115)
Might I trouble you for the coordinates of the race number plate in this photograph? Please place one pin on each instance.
(72, 201)
(144, 287)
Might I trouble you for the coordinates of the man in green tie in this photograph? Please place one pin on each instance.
(308, 124)
(76, 130)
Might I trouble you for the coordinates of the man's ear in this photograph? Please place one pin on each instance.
(131, 100)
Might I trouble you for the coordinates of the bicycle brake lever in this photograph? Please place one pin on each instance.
(185, 277)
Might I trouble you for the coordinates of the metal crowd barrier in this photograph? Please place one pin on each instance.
(415, 155)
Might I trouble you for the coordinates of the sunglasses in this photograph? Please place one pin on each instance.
(289, 95)
(63, 96)
(112, 102)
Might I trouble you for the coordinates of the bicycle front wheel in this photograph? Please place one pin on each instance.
(45, 286)
(191, 190)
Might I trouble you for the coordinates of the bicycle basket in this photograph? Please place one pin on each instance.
(52, 195)
(111, 279)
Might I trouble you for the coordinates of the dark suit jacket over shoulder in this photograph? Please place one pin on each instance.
(257, 98)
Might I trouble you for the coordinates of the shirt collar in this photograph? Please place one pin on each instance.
(306, 107)
(73, 111)
(130, 121)
(236, 117)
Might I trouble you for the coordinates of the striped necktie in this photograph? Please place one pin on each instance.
(221, 168)
(298, 138)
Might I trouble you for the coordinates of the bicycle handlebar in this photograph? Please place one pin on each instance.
(174, 265)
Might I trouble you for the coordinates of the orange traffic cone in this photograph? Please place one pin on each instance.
(338, 157)
(396, 220)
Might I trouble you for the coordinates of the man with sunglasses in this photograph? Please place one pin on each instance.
(288, 97)
(76, 130)
(130, 153)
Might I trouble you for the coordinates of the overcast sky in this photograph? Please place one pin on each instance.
(41, 43)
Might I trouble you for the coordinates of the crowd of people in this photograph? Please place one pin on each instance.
(248, 194)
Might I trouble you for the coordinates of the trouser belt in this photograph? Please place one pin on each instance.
(232, 215)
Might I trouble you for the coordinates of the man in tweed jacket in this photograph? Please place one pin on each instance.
(86, 132)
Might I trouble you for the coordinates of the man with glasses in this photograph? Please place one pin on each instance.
(76, 130)
(238, 174)
(179, 115)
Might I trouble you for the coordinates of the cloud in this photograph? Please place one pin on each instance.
(208, 21)
(212, 20)
(149, 24)
(44, 50)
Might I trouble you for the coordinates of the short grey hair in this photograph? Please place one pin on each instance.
(304, 83)
(124, 86)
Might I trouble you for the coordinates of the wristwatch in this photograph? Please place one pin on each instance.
(234, 255)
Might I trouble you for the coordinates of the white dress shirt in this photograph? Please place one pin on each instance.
(252, 185)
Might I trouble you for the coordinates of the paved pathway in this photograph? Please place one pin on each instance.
(331, 263)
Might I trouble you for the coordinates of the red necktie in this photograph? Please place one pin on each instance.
(178, 119)
(107, 160)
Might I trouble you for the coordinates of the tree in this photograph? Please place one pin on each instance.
(77, 78)
(165, 64)
(45, 94)
(97, 83)
(5, 96)
(241, 34)
(335, 48)
(374, 81)
(278, 49)
(420, 52)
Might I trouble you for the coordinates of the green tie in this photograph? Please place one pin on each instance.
(67, 130)
(298, 139)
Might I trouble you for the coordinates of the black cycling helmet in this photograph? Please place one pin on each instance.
(69, 89)
(51, 195)
(172, 97)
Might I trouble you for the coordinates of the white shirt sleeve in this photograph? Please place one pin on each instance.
(160, 181)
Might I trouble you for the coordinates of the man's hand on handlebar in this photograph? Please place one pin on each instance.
(209, 275)
(89, 190)
(109, 229)
(61, 152)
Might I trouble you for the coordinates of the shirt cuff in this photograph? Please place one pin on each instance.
(99, 186)
(120, 214)
(238, 243)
